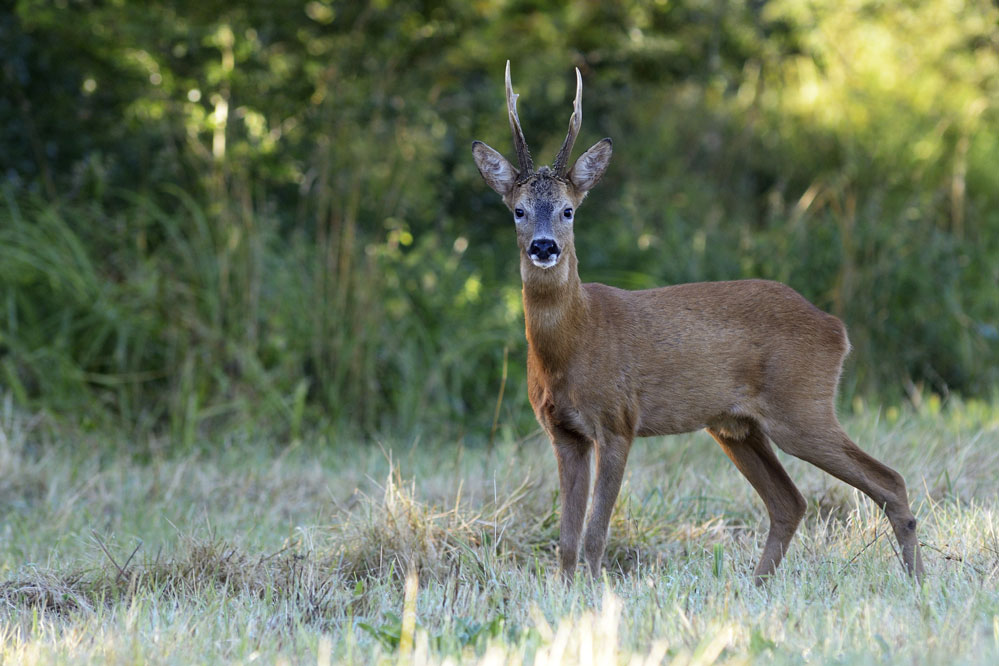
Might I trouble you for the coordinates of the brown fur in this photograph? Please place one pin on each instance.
(750, 361)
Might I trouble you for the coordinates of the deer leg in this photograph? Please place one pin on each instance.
(832, 450)
(612, 454)
(754, 457)
(572, 452)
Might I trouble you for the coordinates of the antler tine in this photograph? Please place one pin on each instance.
(519, 143)
(575, 121)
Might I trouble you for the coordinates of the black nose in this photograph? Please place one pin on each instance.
(542, 248)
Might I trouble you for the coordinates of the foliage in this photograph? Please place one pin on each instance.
(216, 212)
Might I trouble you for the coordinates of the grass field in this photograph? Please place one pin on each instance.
(257, 551)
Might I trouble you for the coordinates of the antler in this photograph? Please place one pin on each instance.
(575, 121)
(519, 143)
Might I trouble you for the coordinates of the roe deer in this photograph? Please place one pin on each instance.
(749, 360)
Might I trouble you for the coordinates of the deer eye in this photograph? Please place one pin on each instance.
(518, 213)
(567, 213)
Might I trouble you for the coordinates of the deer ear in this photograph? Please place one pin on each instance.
(591, 165)
(498, 173)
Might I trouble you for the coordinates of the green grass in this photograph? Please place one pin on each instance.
(248, 551)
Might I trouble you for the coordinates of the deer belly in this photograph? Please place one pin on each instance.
(665, 423)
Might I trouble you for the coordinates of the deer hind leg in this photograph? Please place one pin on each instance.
(825, 445)
(572, 451)
(754, 457)
(612, 455)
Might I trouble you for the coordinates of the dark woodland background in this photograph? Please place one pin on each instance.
(266, 215)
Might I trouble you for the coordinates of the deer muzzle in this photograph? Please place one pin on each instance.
(543, 252)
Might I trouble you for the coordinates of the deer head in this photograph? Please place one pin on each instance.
(543, 202)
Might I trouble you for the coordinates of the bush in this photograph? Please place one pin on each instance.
(271, 215)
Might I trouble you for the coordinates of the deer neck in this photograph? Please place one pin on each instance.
(555, 310)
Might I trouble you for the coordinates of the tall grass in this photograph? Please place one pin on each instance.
(168, 318)
(164, 315)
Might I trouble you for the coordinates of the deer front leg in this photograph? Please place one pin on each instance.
(612, 454)
(572, 452)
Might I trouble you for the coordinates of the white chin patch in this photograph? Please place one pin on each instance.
(547, 263)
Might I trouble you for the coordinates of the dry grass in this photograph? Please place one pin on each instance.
(252, 553)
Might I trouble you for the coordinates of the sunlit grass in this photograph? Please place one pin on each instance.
(250, 552)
